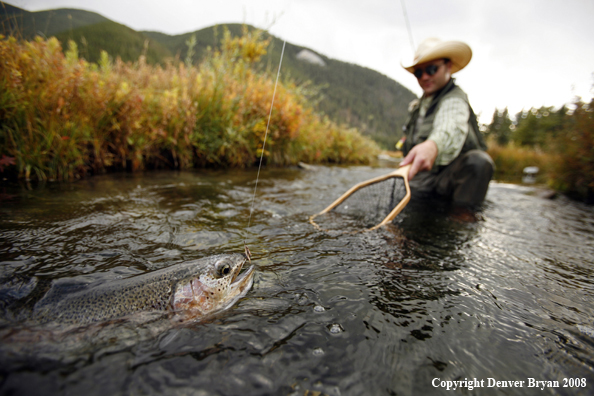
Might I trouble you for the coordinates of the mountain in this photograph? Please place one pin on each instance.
(24, 24)
(117, 40)
(350, 94)
(66, 24)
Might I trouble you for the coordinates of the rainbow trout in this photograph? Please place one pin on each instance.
(189, 290)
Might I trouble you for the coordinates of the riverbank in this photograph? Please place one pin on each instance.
(64, 118)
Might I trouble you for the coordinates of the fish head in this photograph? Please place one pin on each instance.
(218, 285)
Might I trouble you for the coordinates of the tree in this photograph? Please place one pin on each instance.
(574, 172)
(536, 127)
(500, 127)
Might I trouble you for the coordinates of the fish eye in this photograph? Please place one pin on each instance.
(223, 269)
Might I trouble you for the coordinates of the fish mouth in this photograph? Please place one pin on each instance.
(242, 278)
(241, 281)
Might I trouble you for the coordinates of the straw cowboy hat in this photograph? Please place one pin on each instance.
(433, 48)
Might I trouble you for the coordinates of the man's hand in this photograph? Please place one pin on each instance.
(422, 156)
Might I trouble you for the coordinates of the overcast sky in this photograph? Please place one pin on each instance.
(526, 53)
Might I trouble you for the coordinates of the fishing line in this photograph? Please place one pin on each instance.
(264, 143)
(410, 36)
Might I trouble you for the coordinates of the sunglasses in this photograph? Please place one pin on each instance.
(430, 70)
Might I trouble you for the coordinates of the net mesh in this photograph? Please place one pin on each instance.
(366, 207)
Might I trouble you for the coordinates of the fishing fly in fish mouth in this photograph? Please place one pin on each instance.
(217, 288)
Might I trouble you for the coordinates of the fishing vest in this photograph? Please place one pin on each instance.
(417, 132)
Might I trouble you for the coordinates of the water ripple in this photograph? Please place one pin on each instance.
(506, 295)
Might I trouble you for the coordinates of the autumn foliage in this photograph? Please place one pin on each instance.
(62, 117)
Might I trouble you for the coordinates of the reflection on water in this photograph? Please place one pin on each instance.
(505, 293)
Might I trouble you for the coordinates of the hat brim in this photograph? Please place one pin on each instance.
(456, 51)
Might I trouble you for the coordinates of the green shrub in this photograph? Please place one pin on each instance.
(63, 117)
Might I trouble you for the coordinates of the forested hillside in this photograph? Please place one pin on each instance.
(27, 25)
(117, 40)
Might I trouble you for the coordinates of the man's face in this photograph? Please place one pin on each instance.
(432, 84)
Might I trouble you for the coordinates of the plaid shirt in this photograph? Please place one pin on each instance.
(450, 127)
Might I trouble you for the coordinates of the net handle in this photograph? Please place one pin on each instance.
(401, 172)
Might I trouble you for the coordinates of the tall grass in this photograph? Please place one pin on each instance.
(510, 161)
(62, 117)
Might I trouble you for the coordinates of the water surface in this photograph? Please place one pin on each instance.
(506, 293)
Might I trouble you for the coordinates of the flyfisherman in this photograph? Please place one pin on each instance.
(442, 141)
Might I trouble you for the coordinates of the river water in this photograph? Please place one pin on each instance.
(441, 295)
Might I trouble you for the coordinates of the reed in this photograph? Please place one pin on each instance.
(510, 161)
(64, 118)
